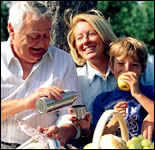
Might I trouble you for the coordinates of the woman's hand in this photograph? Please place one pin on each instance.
(84, 124)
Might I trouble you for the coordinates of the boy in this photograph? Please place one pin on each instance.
(128, 56)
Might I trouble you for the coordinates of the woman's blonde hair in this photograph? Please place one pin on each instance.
(96, 19)
(129, 46)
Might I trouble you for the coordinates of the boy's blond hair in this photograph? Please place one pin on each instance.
(96, 19)
(129, 46)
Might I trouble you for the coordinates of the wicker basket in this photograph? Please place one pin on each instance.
(101, 125)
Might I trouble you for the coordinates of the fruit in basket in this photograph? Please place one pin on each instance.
(139, 143)
(88, 146)
(109, 141)
(146, 142)
(121, 84)
(152, 145)
(113, 142)
(140, 137)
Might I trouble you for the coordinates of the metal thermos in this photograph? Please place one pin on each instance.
(44, 104)
(54, 144)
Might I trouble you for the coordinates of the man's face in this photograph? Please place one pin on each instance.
(32, 41)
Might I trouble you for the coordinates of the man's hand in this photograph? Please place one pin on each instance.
(148, 127)
(64, 133)
(53, 132)
(52, 92)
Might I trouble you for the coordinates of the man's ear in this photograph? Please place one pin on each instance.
(111, 66)
(11, 31)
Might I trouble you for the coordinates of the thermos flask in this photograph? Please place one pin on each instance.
(54, 144)
(45, 105)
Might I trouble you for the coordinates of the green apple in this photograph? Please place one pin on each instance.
(122, 85)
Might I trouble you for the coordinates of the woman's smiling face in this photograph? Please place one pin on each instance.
(88, 42)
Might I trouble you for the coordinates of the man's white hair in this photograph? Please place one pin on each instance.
(19, 9)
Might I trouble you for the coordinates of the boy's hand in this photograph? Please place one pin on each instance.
(133, 80)
(148, 127)
(121, 107)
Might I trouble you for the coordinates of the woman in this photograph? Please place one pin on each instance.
(89, 38)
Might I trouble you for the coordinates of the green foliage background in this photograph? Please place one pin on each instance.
(4, 20)
(128, 18)
(131, 18)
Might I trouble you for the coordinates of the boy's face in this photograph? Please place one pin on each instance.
(125, 65)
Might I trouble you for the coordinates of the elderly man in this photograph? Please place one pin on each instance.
(32, 68)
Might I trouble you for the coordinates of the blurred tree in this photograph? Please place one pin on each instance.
(4, 20)
(131, 18)
(128, 18)
(59, 27)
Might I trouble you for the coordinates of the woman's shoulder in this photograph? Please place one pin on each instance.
(81, 70)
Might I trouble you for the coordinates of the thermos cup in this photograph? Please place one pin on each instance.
(79, 111)
(45, 105)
